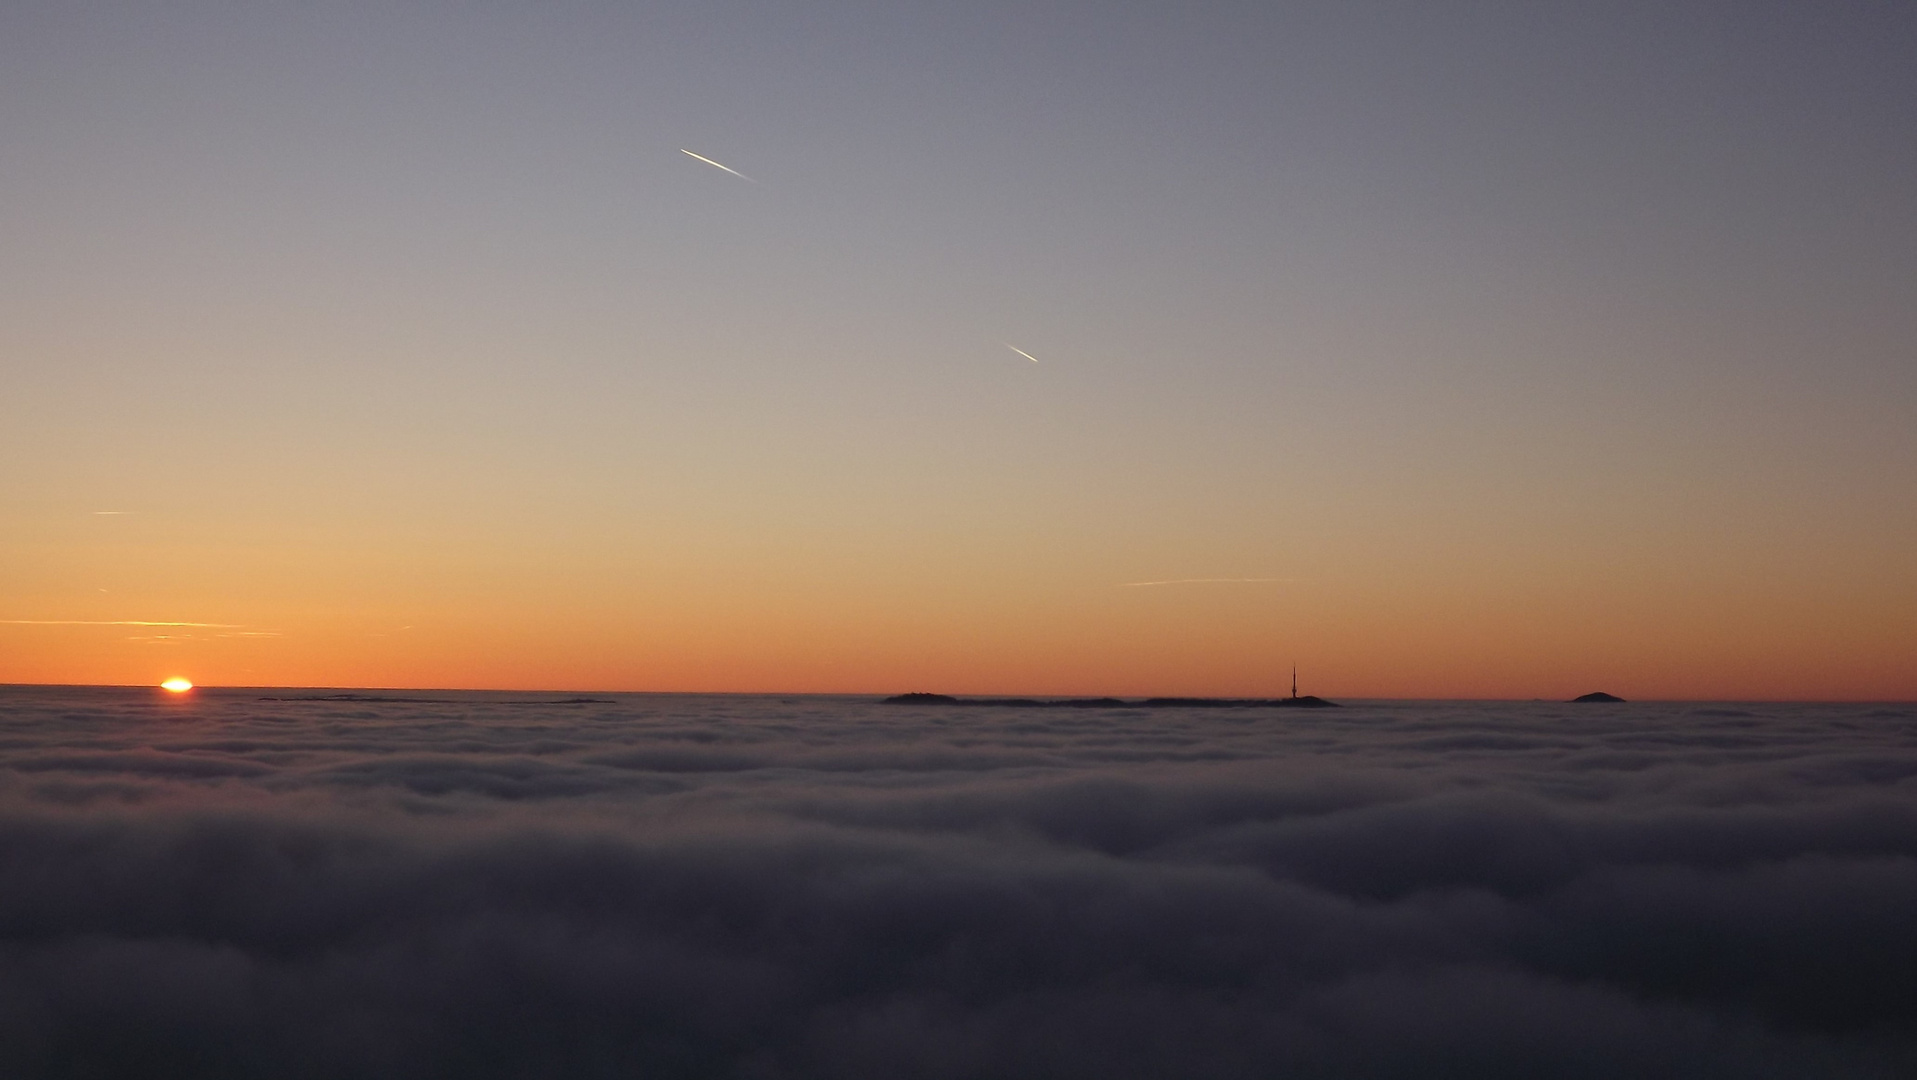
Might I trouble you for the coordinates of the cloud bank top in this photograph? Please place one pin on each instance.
(487, 885)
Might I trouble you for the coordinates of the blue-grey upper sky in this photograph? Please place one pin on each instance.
(1536, 302)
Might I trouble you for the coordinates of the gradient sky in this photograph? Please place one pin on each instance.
(1527, 349)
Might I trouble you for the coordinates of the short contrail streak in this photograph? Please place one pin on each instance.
(1021, 352)
(716, 165)
(1205, 581)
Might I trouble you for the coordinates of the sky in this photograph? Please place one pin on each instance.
(1482, 350)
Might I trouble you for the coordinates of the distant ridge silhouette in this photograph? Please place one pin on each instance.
(1596, 697)
(1295, 701)
(1306, 701)
(375, 699)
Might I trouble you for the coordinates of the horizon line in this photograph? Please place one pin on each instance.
(881, 693)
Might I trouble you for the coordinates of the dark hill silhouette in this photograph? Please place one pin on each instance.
(1306, 701)
(1597, 697)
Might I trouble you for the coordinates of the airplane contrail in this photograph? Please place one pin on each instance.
(716, 165)
(1204, 581)
(1021, 352)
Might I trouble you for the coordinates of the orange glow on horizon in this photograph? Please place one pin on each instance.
(176, 685)
(997, 600)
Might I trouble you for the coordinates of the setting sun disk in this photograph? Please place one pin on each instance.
(176, 685)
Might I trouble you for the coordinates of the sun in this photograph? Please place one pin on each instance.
(177, 685)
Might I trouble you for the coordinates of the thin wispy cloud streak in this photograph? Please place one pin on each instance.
(1208, 581)
(117, 622)
(487, 885)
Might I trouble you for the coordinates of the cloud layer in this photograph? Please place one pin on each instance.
(766, 888)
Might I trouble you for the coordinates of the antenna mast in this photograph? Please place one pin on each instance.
(1294, 680)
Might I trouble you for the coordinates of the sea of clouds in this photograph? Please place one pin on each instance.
(491, 885)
